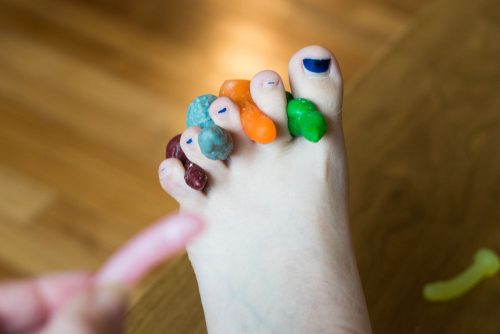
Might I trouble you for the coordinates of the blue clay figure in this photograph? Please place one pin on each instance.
(215, 142)
(197, 114)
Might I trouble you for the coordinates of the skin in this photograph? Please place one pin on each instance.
(60, 303)
(276, 256)
(84, 303)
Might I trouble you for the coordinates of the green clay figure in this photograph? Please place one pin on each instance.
(304, 119)
(486, 264)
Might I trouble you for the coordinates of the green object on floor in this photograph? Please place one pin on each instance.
(304, 119)
(486, 264)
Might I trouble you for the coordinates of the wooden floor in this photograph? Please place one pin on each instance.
(90, 92)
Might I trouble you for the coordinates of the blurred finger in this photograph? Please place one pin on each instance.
(148, 249)
(93, 311)
(26, 305)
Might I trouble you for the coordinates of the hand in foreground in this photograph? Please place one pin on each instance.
(83, 303)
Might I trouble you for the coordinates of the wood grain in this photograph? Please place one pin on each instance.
(90, 92)
(423, 136)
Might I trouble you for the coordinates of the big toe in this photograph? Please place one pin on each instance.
(315, 75)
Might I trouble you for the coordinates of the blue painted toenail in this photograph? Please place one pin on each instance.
(316, 65)
(189, 141)
(223, 110)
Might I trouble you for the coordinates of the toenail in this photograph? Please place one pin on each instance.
(163, 172)
(189, 141)
(223, 110)
(270, 84)
(316, 65)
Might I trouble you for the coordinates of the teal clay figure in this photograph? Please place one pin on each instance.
(486, 264)
(197, 114)
(304, 119)
(215, 142)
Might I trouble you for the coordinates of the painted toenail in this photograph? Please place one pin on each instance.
(223, 110)
(270, 84)
(189, 141)
(316, 65)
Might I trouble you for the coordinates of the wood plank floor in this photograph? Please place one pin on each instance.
(90, 92)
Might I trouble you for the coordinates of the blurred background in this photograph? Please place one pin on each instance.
(92, 90)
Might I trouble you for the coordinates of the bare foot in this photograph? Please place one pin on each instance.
(276, 256)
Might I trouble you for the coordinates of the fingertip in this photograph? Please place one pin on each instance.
(95, 310)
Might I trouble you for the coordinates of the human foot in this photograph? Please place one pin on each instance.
(276, 256)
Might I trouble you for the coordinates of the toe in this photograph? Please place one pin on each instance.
(315, 75)
(268, 93)
(226, 114)
(171, 175)
(216, 169)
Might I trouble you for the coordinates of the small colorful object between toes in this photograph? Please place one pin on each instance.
(257, 126)
(215, 142)
(195, 176)
(304, 119)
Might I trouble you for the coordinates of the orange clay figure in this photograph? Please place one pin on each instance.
(255, 123)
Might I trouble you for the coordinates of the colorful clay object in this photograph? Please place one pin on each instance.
(197, 114)
(174, 149)
(304, 119)
(486, 264)
(258, 126)
(215, 143)
(194, 175)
